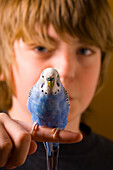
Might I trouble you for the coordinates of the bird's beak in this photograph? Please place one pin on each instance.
(50, 83)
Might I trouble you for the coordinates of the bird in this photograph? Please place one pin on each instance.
(48, 103)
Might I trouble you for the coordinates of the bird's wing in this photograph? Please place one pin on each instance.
(67, 97)
(30, 93)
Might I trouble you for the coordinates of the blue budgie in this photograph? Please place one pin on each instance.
(48, 103)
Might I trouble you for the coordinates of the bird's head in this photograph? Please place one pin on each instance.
(51, 80)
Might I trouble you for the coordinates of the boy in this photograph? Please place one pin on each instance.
(74, 37)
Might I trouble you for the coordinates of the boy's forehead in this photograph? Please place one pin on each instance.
(54, 35)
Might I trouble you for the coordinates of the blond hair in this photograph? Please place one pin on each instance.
(90, 20)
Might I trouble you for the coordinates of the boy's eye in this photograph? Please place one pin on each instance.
(85, 51)
(41, 49)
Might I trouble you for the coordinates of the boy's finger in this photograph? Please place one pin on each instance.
(5, 146)
(20, 138)
(43, 134)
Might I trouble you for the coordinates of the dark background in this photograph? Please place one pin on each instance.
(101, 119)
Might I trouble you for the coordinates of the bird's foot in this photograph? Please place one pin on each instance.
(35, 127)
(55, 132)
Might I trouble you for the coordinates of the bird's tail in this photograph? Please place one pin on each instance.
(52, 152)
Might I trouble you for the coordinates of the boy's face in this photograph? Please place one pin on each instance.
(78, 66)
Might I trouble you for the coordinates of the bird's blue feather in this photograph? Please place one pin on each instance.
(50, 109)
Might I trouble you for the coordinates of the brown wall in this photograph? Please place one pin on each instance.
(101, 120)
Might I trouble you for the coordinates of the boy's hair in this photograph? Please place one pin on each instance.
(90, 20)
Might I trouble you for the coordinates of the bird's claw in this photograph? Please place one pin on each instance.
(55, 132)
(35, 127)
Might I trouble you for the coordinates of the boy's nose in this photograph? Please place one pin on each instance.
(66, 65)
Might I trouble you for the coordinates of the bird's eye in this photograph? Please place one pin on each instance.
(42, 76)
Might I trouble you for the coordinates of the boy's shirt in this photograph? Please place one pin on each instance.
(93, 153)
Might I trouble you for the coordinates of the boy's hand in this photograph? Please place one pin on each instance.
(17, 141)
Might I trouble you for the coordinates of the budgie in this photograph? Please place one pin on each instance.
(48, 103)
